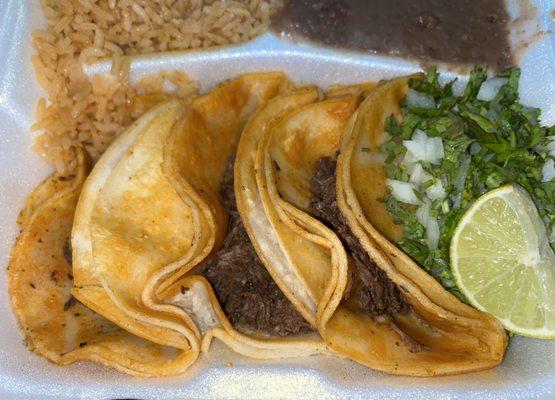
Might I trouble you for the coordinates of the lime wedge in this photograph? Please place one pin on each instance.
(503, 263)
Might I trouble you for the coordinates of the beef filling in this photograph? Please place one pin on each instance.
(249, 296)
(376, 293)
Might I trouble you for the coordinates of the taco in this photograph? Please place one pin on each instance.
(369, 301)
(55, 324)
(151, 219)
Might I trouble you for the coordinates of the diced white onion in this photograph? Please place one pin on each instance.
(436, 191)
(419, 176)
(420, 100)
(423, 214)
(458, 88)
(475, 148)
(430, 224)
(423, 148)
(432, 233)
(403, 191)
(490, 88)
(548, 171)
(551, 146)
(460, 180)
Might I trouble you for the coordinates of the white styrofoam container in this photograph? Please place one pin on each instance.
(527, 372)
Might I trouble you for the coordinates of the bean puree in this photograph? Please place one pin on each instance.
(461, 32)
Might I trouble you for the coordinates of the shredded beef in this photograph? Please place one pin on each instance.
(377, 294)
(249, 296)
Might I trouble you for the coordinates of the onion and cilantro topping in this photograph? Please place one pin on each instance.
(451, 148)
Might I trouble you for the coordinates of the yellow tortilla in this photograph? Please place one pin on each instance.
(101, 229)
(439, 335)
(361, 89)
(286, 157)
(55, 326)
(150, 213)
(200, 147)
(457, 337)
(257, 222)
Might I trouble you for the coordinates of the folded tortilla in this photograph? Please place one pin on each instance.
(151, 219)
(193, 145)
(150, 214)
(369, 301)
(40, 277)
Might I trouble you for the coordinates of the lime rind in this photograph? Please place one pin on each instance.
(502, 261)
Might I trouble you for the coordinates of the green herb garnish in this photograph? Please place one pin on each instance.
(488, 139)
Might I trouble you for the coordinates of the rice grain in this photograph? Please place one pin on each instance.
(79, 112)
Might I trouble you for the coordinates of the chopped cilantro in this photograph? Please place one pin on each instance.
(485, 145)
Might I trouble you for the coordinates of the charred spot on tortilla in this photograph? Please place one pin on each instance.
(68, 253)
(65, 178)
(249, 296)
(375, 293)
(72, 301)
